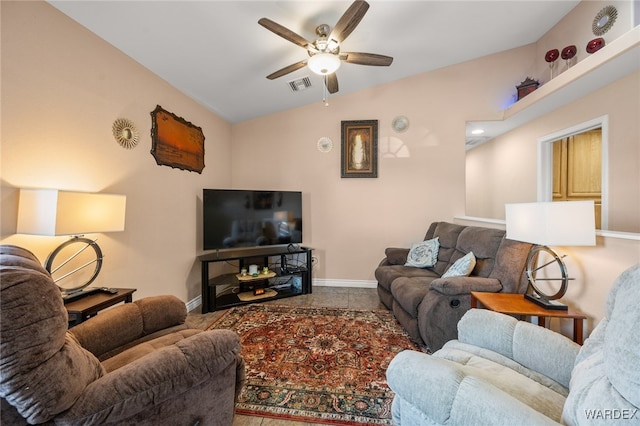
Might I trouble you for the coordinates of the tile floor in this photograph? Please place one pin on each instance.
(339, 297)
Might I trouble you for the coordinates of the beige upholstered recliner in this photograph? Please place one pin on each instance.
(132, 364)
(501, 371)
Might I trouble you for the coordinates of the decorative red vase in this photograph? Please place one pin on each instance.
(552, 55)
(569, 52)
(594, 45)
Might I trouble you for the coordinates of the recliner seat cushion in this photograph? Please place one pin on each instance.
(533, 389)
(161, 377)
(410, 291)
(141, 349)
(386, 275)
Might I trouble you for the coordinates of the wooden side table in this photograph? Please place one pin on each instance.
(516, 304)
(83, 308)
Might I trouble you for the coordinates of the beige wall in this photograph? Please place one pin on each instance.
(350, 221)
(62, 88)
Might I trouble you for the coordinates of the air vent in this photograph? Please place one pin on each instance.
(300, 84)
(475, 141)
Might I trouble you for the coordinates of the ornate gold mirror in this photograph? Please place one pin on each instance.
(125, 133)
(604, 20)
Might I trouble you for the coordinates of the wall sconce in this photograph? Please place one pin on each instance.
(558, 223)
(53, 212)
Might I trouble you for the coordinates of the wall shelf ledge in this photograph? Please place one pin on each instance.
(614, 61)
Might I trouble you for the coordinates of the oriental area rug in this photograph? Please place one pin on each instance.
(320, 365)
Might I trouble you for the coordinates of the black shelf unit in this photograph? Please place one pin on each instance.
(284, 278)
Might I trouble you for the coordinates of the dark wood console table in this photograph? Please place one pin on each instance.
(85, 307)
(289, 275)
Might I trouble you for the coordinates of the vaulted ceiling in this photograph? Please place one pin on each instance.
(216, 53)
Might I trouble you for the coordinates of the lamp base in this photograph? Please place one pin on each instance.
(547, 304)
(64, 269)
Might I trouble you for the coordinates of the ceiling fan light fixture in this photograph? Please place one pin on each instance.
(332, 45)
(324, 63)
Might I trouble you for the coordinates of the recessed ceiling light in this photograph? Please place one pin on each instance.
(477, 132)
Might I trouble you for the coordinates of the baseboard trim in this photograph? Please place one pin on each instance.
(323, 282)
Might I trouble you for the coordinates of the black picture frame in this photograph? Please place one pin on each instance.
(359, 149)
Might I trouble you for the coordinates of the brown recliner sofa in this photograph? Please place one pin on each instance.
(428, 306)
(134, 364)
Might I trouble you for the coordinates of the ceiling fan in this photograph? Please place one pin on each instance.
(324, 53)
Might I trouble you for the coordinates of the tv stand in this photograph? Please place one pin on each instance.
(289, 275)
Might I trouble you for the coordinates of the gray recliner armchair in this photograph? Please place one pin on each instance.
(501, 371)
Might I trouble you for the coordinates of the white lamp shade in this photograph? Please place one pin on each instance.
(54, 212)
(557, 223)
(324, 63)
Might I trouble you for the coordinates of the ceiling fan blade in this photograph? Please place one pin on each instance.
(367, 59)
(286, 70)
(349, 20)
(284, 32)
(332, 83)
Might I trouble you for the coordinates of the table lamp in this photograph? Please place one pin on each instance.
(557, 223)
(53, 212)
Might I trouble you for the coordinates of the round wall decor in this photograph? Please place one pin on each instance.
(594, 45)
(604, 20)
(125, 133)
(325, 144)
(400, 124)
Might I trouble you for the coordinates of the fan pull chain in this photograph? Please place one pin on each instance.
(325, 93)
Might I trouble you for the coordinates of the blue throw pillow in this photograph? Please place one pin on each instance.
(462, 267)
(423, 254)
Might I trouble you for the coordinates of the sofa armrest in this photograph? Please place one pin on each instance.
(532, 346)
(444, 394)
(465, 285)
(158, 377)
(395, 256)
(123, 324)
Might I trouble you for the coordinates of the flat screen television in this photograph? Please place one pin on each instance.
(236, 218)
